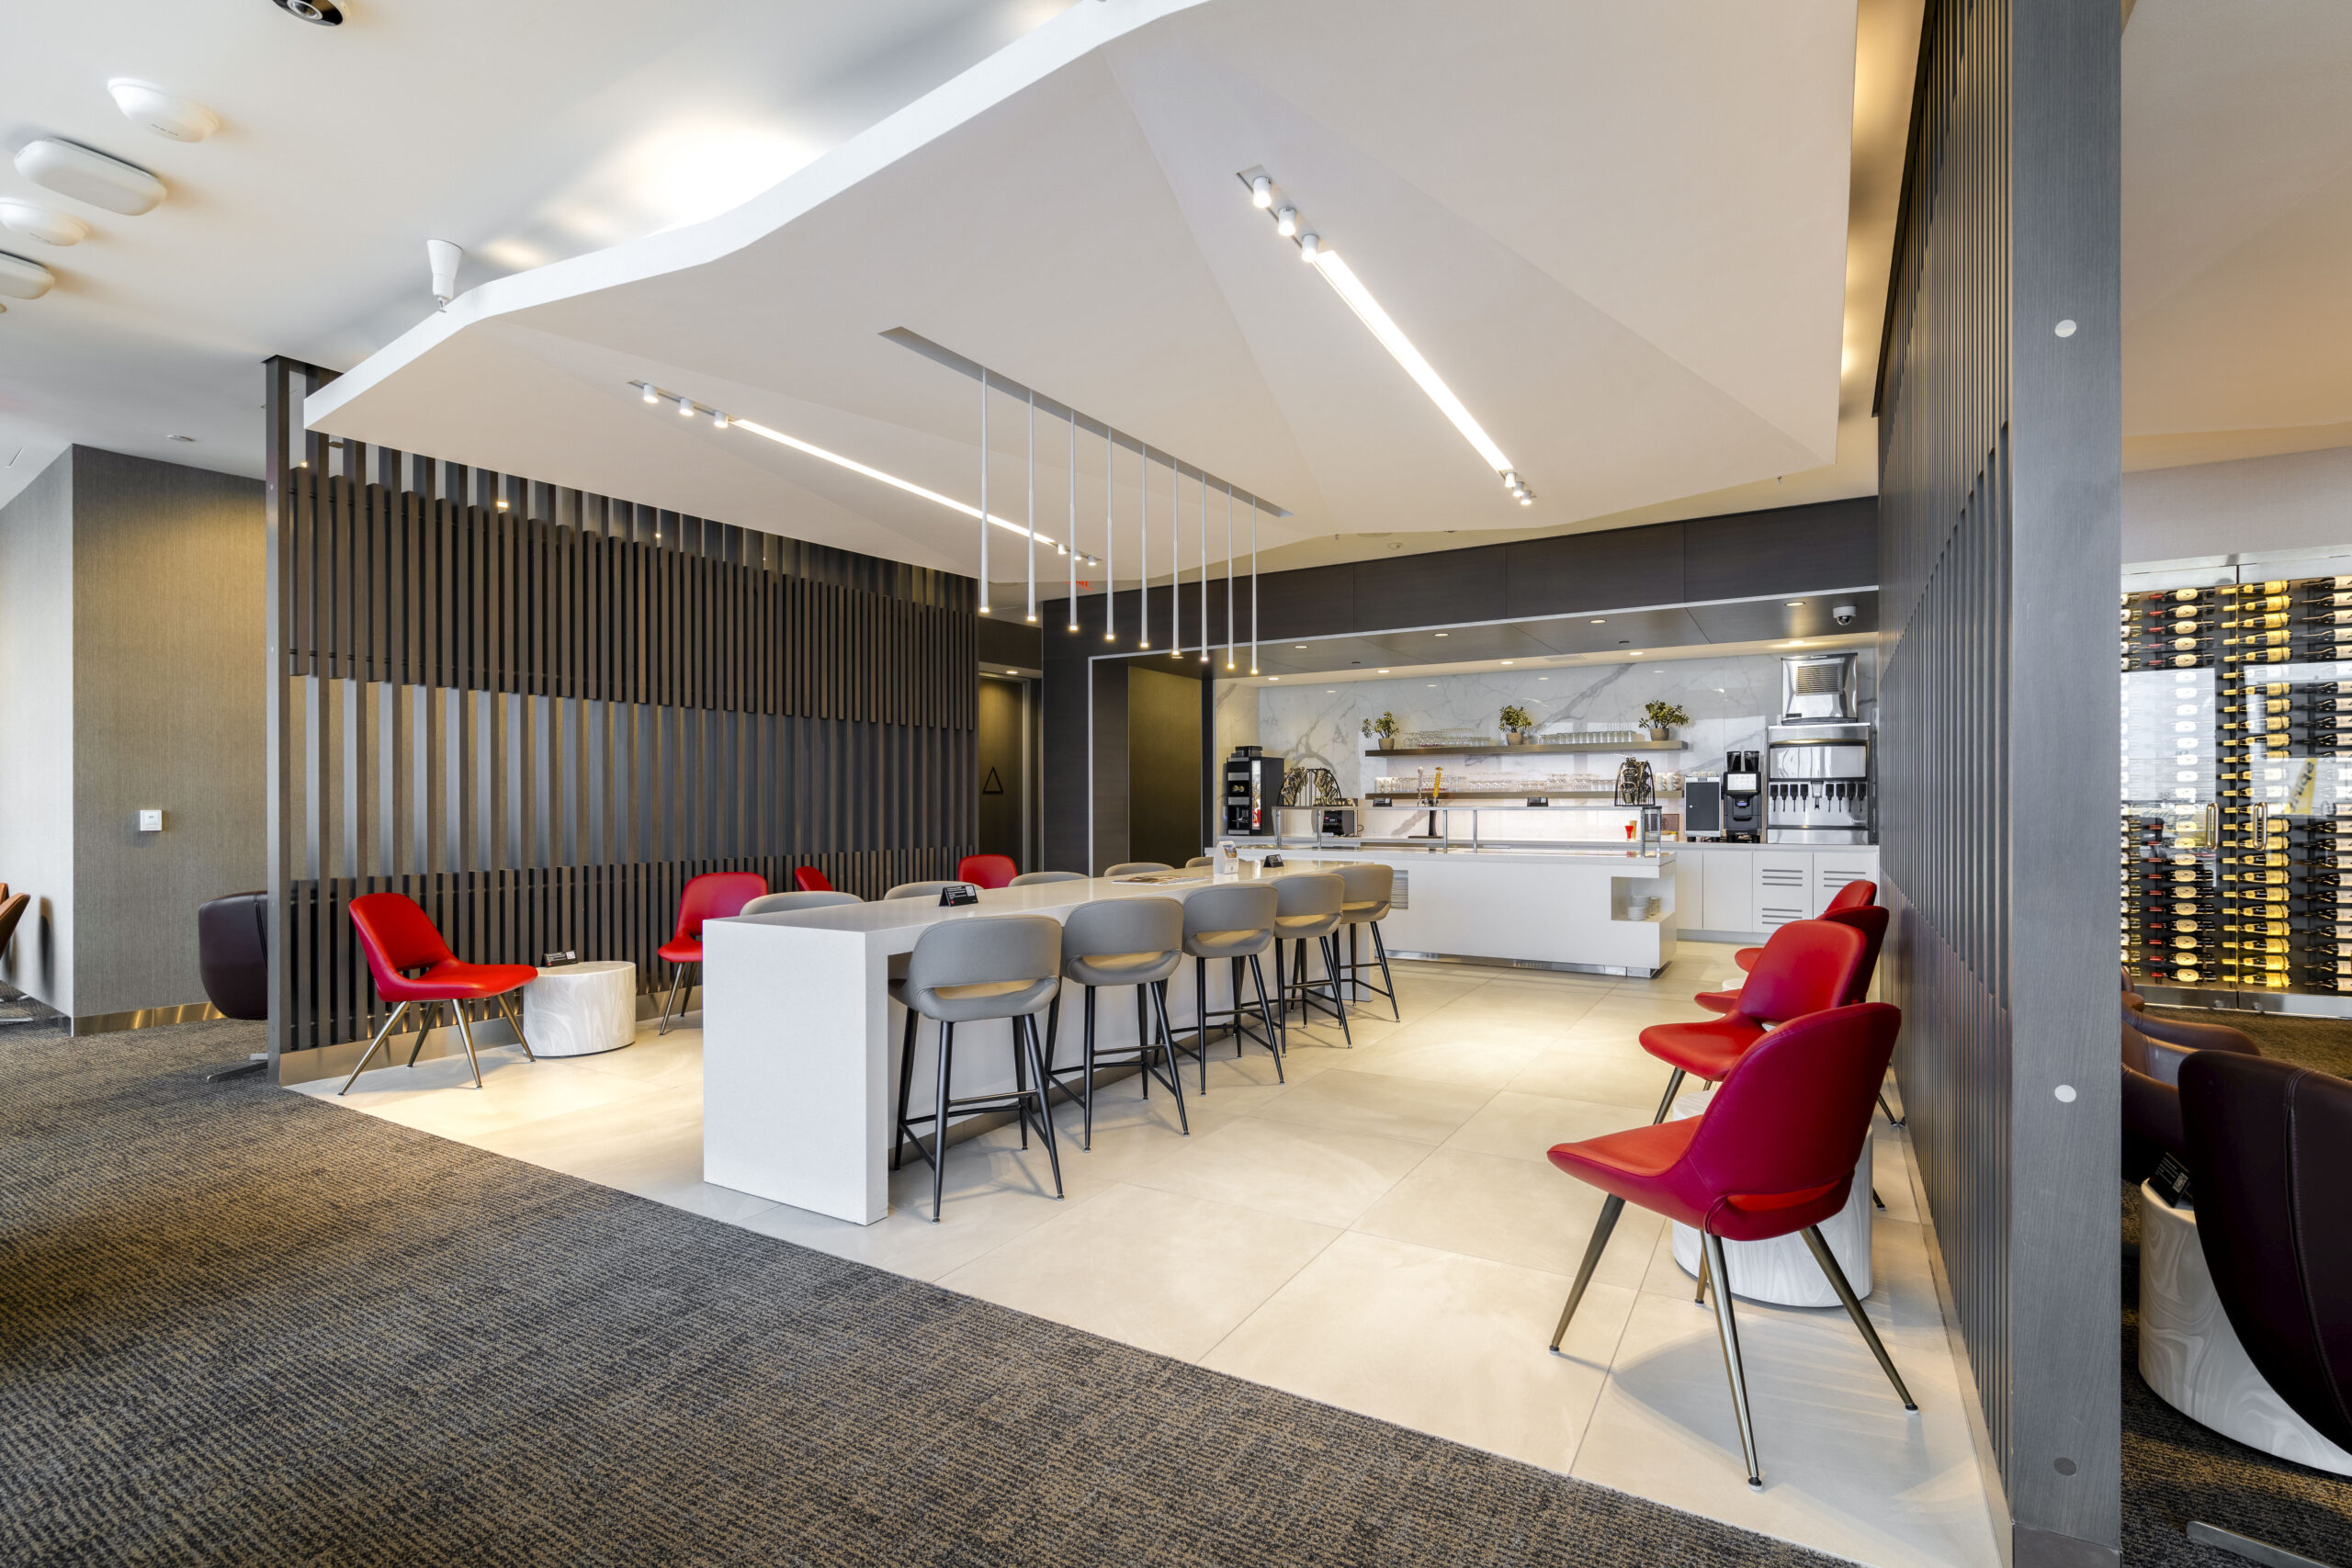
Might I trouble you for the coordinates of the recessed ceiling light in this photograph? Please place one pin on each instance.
(1636, 654)
(40, 223)
(179, 438)
(166, 114)
(1302, 647)
(1380, 671)
(1599, 622)
(1796, 603)
(1273, 677)
(1511, 661)
(1445, 634)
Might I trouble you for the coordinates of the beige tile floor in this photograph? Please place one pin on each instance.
(1380, 1233)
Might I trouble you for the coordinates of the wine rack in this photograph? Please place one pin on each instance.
(2234, 763)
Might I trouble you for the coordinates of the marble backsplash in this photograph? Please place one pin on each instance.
(1321, 726)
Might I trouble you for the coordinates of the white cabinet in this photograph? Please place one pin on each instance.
(1690, 889)
(1832, 869)
(1726, 891)
(1784, 887)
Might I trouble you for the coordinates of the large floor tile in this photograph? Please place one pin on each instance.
(1510, 1211)
(1415, 1110)
(1444, 1051)
(1846, 1469)
(1283, 1168)
(1633, 1082)
(1523, 1126)
(1162, 1270)
(1436, 1341)
(992, 1199)
(646, 1142)
(513, 1093)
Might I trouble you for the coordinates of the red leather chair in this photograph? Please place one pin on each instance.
(1807, 967)
(714, 896)
(987, 871)
(397, 936)
(809, 879)
(1859, 894)
(1773, 1155)
(1868, 919)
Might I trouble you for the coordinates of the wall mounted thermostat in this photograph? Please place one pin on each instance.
(151, 821)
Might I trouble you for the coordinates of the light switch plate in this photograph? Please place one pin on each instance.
(151, 821)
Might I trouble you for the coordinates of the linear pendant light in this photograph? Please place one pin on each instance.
(1033, 508)
(1110, 540)
(1176, 559)
(1253, 585)
(1205, 569)
(1228, 577)
(1071, 550)
(984, 490)
(1143, 554)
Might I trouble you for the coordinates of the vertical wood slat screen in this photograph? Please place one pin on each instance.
(540, 722)
(1998, 507)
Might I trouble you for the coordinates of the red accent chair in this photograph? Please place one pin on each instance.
(1807, 967)
(809, 879)
(987, 871)
(714, 896)
(1774, 1155)
(1859, 894)
(1868, 919)
(397, 936)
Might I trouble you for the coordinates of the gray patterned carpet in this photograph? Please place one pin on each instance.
(240, 1327)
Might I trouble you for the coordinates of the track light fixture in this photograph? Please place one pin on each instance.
(1286, 222)
(686, 407)
(1262, 192)
(650, 395)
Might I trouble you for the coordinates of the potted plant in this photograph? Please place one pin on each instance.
(1663, 717)
(1517, 722)
(1385, 728)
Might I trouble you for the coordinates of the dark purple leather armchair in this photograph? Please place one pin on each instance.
(2154, 1046)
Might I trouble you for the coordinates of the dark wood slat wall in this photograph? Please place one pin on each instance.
(541, 722)
(2000, 528)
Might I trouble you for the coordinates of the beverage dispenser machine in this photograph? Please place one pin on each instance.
(1253, 794)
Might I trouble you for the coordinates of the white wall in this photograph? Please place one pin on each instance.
(1317, 723)
(37, 730)
(2301, 500)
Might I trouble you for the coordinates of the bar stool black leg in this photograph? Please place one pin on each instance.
(1020, 1085)
(939, 1124)
(1159, 989)
(1200, 1017)
(1053, 1046)
(1275, 1039)
(906, 1088)
(1143, 1035)
(1331, 973)
(1380, 948)
(1025, 1027)
(1087, 1087)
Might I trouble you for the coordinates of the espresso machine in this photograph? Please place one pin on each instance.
(1818, 757)
(1253, 793)
(1742, 798)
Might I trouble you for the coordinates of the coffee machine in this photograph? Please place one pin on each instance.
(1742, 798)
(1252, 796)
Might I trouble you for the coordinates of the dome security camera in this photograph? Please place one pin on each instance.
(1843, 614)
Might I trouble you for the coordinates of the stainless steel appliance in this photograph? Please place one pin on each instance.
(1335, 821)
(1742, 798)
(1817, 789)
(1820, 688)
(1252, 796)
(1703, 805)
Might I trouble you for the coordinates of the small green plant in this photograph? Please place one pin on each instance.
(1386, 727)
(1517, 719)
(1664, 715)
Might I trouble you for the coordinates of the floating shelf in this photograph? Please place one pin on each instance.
(1526, 750)
(1410, 803)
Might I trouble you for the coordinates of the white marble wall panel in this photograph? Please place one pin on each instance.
(1728, 699)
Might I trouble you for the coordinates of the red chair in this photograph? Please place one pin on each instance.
(809, 879)
(1868, 919)
(987, 871)
(1856, 894)
(1773, 1155)
(712, 896)
(396, 936)
(1807, 967)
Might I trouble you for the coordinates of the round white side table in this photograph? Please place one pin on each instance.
(581, 1009)
(2191, 1357)
(1782, 1270)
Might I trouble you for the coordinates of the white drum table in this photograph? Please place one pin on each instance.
(581, 1009)
(1782, 1270)
(2191, 1356)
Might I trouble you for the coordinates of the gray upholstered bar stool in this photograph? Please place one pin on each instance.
(778, 903)
(1235, 922)
(1307, 909)
(1198, 859)
(1123, 942)
(1031, 878)
(1370, 888)
(1007, 966)
(1133, 867)
(924, 889)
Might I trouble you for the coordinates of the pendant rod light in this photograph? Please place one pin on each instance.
(1205, 569)
(1071, 550)
(1176, 557)
(1228, 577)
(1110, 541)
(984, 490)
(1033, 508)
(1143, 555)
(1253, 585)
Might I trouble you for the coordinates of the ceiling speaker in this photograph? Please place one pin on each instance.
(324, 13)
(40, 223)
(22, 280)
(75, 170)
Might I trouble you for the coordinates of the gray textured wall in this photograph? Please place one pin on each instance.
(2298, 502)
(168, 695)
(37, 730)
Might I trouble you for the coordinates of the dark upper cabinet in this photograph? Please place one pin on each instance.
(1613, 569)
(1794, 549)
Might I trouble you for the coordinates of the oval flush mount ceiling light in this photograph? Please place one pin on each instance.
(167, 115)
(323, 13)
(75, 170)
(22, 280)
(40, 223)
